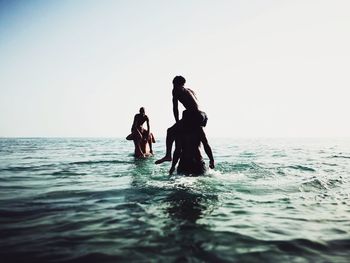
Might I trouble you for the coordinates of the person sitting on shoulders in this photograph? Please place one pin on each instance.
(141, 136)
(192, 117)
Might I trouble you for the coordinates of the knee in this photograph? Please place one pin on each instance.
(170, 130)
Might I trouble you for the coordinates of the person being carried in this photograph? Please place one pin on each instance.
(187, 149)
(192, 117)
(141, 136)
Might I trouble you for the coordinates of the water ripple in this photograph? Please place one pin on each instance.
(89, 200)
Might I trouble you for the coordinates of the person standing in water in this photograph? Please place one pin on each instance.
(187, 149)
(192, 117)
(140, 135)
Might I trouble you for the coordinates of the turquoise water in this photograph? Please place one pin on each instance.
(89, 200)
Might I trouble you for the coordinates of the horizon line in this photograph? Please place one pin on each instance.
(163, 137)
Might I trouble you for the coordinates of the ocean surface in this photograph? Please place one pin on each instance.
(90, 200)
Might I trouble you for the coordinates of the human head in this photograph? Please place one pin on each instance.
(179, 81)
(142, 110)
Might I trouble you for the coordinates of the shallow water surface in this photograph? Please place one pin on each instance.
(90, 200)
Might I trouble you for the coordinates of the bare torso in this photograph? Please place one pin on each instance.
(139, 120)
(187, 97)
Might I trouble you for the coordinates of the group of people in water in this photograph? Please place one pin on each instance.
(187, 133)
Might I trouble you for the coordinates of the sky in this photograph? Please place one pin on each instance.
(81, 68)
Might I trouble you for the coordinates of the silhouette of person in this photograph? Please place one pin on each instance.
(141, 136)
(192, 117)
(187, 149)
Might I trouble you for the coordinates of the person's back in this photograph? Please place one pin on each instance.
(187, 98)
(190, 143)
(191, 160)
(139, 120)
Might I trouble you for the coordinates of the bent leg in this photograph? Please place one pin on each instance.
(170, 138)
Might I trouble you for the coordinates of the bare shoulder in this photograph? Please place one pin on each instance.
(138, 117)
(192, 93)
(175, 92)
(190, 90)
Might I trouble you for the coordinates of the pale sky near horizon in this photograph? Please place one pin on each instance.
(272, 68)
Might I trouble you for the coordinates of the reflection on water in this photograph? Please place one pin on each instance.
(185, 206)
(185, 209)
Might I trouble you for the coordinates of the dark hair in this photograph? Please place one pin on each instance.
(142, 109)
(179, 80)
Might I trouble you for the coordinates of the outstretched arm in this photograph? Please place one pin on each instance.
(207, 149)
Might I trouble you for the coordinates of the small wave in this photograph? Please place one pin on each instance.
(314, 183)
(247, 154)
(101, 162)
(330, 164)
(35, 210)
(340, 156)
(336, 181)
(73, 195)
(26, 168)
(97, 257)
(237, 167)
(301, 167)
(251, 169)
(300, 245)
(35, 158)
(66, 172)
(279, 155)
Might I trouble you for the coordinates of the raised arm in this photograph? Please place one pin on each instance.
(207, 149)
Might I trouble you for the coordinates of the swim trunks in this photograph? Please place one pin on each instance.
(194, 118)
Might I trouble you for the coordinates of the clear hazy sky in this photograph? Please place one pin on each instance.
(259, 68)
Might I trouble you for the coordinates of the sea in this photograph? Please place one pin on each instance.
(90, 200)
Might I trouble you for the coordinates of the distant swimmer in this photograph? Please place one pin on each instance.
(187, 149)
(192, 117)
(141, 137)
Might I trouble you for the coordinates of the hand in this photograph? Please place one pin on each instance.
(211, 165)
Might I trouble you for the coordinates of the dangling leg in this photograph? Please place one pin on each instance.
(170, 137)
